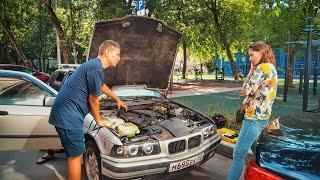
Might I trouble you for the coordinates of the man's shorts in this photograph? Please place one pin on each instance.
(72, 141)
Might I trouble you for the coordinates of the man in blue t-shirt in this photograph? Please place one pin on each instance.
(79, 96)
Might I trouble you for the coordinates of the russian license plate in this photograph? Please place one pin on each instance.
(176, 166)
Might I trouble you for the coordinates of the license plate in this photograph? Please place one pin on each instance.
(176, 166)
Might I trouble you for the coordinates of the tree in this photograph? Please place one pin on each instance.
(7, 54)
(14, 42)
(62, 41)
(229, 23)
(177, 14)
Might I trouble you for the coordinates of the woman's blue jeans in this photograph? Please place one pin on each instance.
(249, 132)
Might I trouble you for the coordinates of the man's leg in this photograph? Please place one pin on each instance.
(74, 167)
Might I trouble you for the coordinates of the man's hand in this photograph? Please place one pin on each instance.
(121, 104)
(101, 123)
(104, 123)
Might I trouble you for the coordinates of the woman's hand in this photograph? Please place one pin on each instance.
(244, 107)
(244, 93)
(251, 70)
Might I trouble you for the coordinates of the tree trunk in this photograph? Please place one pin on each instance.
(7, 54)
(222, 37)
(62, 41)
(184, 67)
(151, 5)
(15, 43)
(233, 64)
(73, 33)
(290, 68)
(129, 7)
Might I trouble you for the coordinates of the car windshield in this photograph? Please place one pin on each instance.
(15, 91)
(137, 92)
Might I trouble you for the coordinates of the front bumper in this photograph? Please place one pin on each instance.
(157, 164)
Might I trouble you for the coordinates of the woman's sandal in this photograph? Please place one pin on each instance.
(45, 158)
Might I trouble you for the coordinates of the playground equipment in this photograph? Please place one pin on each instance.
(309, 44)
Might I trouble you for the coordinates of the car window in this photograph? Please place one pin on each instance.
(60, 76)
(137, 92)
(15, 91)
(52, 78)
(57, 81)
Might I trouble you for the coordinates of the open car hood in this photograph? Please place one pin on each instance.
(148, 50)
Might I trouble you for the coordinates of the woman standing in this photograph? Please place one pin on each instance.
(259, 90)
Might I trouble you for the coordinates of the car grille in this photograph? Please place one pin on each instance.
(177, 146)
(194, 142)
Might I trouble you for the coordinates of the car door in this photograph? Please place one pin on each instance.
(23, 116)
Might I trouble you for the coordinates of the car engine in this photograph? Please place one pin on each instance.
(157, 119)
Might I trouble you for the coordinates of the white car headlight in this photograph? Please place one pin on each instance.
(147, 148)
(133, 150)
(209, 131)
(206, 132)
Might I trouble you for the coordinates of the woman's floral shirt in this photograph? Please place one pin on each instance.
(262, 88)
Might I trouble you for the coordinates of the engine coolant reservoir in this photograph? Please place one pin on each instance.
(128, 129)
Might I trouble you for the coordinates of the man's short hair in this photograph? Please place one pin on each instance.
(107, 44)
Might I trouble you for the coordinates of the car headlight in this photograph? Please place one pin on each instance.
(135, 150)
(209, 131)
(147, 148)
(206, 132)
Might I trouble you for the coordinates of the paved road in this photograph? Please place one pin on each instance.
(21, 165)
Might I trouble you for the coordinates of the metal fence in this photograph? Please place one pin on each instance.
(243, 63)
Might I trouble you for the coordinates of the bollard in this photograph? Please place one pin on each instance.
(216, 73)
(222, 73)
(300, 78)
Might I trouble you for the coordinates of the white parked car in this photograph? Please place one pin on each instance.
(155, 136)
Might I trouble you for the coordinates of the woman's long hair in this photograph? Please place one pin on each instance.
(267, 55)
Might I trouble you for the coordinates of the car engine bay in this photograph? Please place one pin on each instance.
(150, 118)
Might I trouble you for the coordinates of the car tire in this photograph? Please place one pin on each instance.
(92, 161)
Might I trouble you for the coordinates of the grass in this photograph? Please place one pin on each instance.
(227, 103)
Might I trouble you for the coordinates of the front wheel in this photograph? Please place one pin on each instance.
(92, 161)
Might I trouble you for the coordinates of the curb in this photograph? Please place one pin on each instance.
(226, 149)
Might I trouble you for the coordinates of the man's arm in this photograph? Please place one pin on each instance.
(106, 90)
(95, 108)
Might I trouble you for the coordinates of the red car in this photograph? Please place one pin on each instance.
(40, 75)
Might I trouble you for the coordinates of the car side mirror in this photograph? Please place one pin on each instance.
(48, 101)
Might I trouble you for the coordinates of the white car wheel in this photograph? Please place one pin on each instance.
(92, 161)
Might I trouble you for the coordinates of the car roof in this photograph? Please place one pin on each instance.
(14, 65)
(10, 73)
(65, 69)
(13, 73)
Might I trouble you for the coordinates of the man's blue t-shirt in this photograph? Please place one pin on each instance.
(72, 105)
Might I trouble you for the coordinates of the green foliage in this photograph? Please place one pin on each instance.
(242, 22)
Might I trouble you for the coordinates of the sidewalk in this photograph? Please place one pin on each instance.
(194, 88)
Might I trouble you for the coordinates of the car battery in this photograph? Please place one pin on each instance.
(228, 135)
